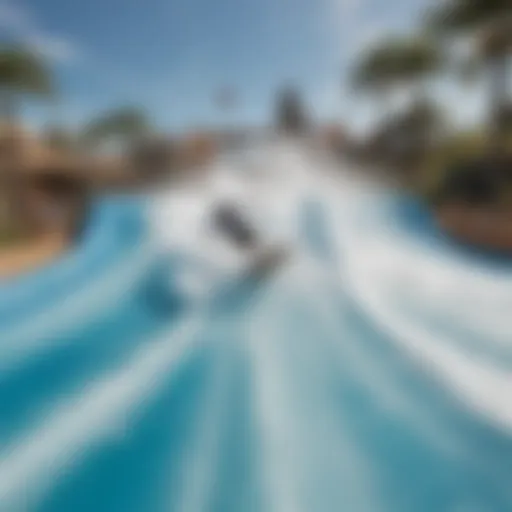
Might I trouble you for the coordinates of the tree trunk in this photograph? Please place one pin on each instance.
(499, 100)
(10, 203)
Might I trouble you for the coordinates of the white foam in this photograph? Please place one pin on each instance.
(308, 459)
(378, 266)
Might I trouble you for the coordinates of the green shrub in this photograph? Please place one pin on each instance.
(436, 171)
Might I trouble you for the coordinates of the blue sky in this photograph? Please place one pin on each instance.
(172, 55)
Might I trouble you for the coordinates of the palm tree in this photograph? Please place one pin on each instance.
(489, 22)
(396, 63)
(22, 73)
(125, 125)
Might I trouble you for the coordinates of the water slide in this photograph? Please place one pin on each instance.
(369, 373)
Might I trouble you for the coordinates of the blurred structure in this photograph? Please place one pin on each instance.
(47, 181)
(22, 73)
(333, 137)
(291, 115)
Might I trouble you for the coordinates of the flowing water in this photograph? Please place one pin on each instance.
(370, 372)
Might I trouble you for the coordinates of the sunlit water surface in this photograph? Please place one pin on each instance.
(371, 372)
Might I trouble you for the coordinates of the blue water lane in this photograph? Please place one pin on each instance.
(281, 393)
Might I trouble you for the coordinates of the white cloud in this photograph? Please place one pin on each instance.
(20, 24)
(55, 48)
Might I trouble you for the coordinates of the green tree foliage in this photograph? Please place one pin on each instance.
(401, 62)
(22, 73)
(125, 124)
(489, 22)
(396, 61)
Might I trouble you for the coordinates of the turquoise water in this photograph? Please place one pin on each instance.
(282, 394)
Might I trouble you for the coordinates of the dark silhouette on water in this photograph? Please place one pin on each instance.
(228, 220)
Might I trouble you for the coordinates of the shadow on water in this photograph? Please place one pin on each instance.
(162, 295)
